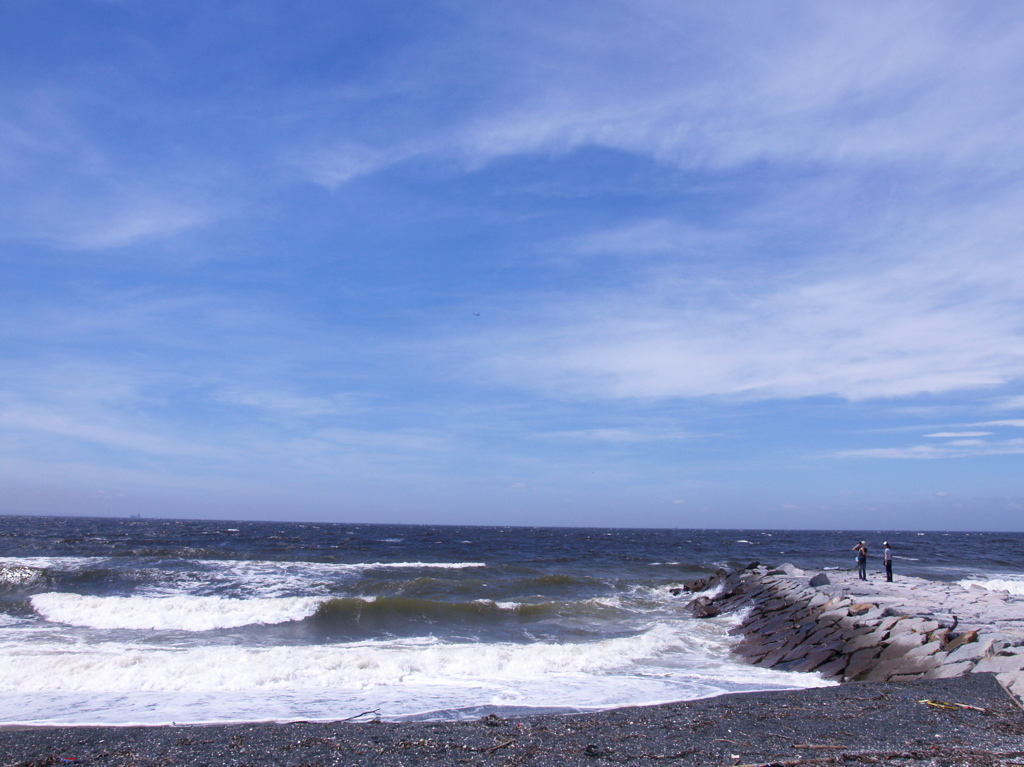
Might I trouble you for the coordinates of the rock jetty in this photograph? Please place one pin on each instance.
(834, 624)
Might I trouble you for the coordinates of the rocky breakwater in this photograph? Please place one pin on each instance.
(846, 629)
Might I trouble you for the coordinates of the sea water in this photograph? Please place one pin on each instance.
(122, 621)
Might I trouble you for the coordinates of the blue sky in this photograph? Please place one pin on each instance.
(604, 263)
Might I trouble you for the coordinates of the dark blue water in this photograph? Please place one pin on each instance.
(115, 620)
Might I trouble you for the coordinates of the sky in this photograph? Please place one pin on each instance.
(634, 264)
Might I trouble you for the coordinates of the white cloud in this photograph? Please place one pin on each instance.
(877, 82)
(952, 434)
(912, 317)
(616, 435)
(964, 449)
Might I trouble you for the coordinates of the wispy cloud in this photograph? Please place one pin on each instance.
(616, 435)
(953, 449)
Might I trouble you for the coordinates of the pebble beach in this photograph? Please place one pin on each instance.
(967, 720)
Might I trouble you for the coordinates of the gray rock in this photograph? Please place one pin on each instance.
(834, 615)
(887, 623)
(860, 663)
(1000, 663)
(901, 666)
(902, 644)
(972, 651)
(820, 580)
(956, 642)
(818, 600)
(702, 607)
(949, 670)
(1009, 679)
(834, 668)
(929, 648)
(1017, 687)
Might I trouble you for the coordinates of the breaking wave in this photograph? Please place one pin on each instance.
(15, 577)
(996, 584)
(181, 613)
(113, 667)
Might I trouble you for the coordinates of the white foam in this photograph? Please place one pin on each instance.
(996, 584)
(256, 578)
(58, 678)
(53, 563)
(53, 666)
(182, 613)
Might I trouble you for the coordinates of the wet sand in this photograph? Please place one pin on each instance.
(971, 721)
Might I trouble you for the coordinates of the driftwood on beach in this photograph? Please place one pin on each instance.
(843, 628)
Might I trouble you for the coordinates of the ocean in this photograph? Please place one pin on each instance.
(151, 621)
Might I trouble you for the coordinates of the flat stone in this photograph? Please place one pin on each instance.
(818, 600)
(834, 615)
(1000, 663)
(822, 634)
(873, 617)
(949, 670)
(860, 663)
(814, 659)
(871, 639)
(972, 651)
(902, 644)
(905, 677)
(889, 668)
(929, 648)
(1009, 678)
(860, 608)
(1017, 688)
(963, 639)
(916, 625)
(834, 668)
(769, 660)
(887, 623)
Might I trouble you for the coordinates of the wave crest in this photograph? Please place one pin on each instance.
(177, 613)
(996, 584)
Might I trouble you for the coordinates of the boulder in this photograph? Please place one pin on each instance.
(702, 607)
(820, 580)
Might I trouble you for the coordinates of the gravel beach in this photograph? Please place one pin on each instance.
(963, 721)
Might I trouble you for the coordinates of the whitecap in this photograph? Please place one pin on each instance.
(181, 613)
(1015, 587)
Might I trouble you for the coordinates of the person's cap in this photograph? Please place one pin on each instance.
(863, 542)
(885, 543)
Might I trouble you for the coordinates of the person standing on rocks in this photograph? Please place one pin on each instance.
(887, 561)
(862, 560)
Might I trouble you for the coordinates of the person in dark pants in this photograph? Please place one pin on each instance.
(862, 560)
(887, 561)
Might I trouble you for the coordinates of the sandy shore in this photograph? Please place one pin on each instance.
(972, 721)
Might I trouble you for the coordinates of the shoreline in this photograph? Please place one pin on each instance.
(907, 697)
(962, 720)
